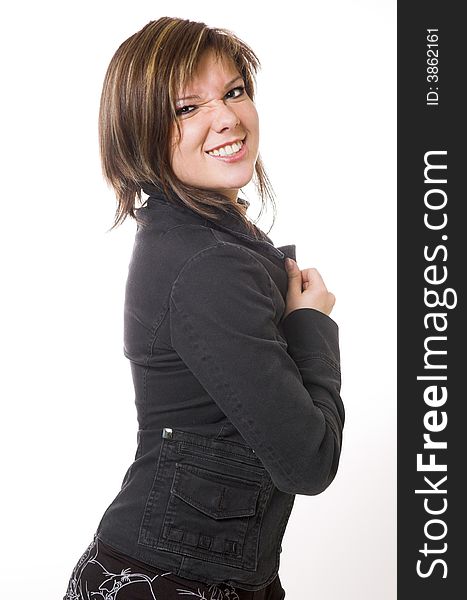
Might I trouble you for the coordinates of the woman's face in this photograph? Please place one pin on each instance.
(216, 114)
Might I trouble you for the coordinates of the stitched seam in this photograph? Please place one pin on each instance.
(220, 244)
(319, 356)
(160, 318)
(329, 418)
(206, 450)
(220, 431)
(266, 241)
(145, 393)
(251, 468)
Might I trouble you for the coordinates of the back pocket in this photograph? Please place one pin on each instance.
(211, 516)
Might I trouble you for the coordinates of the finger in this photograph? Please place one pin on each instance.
(294, 275)
(313, 277)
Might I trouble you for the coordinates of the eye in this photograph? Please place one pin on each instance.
(184, 110)
(238, 91)
(235, 92)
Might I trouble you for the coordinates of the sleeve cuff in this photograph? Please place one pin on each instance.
(311, 333)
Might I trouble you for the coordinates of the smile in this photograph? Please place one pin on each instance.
(230, 152)
(227, 149)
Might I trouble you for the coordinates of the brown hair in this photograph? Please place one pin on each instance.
(137, 113)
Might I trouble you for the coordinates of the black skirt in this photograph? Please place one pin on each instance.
(103, 573)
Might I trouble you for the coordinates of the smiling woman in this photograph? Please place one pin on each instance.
(173, 92)
(217, 147)
(235, 360)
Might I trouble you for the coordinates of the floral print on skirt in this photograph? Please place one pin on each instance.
(102, 573)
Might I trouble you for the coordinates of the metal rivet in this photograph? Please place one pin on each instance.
(167, 432)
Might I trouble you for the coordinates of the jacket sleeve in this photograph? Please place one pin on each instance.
(283, 395)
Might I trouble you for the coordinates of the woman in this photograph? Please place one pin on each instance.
(234, 357)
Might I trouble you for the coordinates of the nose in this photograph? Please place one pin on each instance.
(224, 117)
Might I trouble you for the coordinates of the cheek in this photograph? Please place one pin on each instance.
(253, 129)
(251, 119)
(191, 142)
(186, 154)
(180, 153)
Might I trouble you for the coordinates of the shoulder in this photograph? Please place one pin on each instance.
(200, 247)
(221, 272)
(171, 244)
(189, 245)
(178, 252)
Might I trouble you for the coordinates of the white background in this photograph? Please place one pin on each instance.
(327, 105)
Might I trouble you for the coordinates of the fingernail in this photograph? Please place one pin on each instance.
(289, 264)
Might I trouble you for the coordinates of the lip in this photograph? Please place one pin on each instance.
(234, 157)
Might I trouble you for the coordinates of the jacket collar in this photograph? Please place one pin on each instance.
(229, 222)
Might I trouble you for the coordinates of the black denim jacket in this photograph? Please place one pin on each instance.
(238, 409)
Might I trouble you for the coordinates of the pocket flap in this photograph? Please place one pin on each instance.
(215, 494)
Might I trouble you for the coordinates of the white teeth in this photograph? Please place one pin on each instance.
(227, 150)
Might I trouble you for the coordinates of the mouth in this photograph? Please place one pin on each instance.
(229, 152)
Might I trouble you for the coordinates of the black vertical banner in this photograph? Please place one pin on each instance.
(432, 259)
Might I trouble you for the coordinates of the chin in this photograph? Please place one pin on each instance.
(238, 181)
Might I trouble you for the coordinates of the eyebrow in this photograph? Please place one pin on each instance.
(195, 97)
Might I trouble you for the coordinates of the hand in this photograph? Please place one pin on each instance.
(306, 289)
